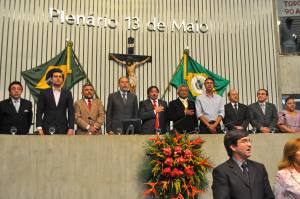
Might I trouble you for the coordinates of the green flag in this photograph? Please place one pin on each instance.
(193, 75)
(38, 78)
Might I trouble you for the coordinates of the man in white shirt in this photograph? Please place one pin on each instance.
(52, 105)
(209, 109)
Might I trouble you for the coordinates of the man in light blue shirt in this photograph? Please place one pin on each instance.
(209, 109)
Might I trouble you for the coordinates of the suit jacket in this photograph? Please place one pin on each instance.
(49, 115)
(10, 117)
(241, 118)
(258, 119)
(181, 121)
(85, 117)
(230, 183)
(117, 111)
(147, 115)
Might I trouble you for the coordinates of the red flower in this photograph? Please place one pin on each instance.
(188, 153)
(169, 161)
(176, 172)
(189, 170)
(177, 150)
(152, 189)
(167, 151)
(166, 171)
(180, 160)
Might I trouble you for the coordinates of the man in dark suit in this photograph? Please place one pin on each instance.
(263, 114)
(153, 112)
(236, 114)
(15, 112)
(182, 111)
(238, 177)
(121, 105)
(52, 105)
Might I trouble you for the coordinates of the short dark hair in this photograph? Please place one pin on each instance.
(57, 70)
(263, 89)
(232, 137)
(150, 88)
(14, 83)
(210, 78)
(288, 98)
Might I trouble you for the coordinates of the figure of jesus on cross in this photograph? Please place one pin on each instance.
(131, 62)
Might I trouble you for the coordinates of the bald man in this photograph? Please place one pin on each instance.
(236, 114)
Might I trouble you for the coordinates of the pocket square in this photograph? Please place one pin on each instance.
(26, 110)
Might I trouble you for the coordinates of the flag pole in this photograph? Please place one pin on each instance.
(70, 44)
(185, 53)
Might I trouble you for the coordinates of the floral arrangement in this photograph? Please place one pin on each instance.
(177, 167)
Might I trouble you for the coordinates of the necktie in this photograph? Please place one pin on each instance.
(90, 104)
(124, 98)
(245, 170)
(156, 116)
(262, 106)
(17, 105)
(236, 108)
(185, 103)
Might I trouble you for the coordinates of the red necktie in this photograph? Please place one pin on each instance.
(90, 104)
(156, 116)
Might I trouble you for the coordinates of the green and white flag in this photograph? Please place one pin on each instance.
(193, 75)
(38, 78)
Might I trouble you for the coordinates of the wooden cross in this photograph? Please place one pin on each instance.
(131, 61)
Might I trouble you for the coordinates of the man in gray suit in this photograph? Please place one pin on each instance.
(121, 105)
(263, 114)
(239, 177)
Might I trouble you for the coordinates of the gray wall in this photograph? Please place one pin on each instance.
(240, 43)
(105, 167)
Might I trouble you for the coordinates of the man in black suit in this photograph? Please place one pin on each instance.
(52, 105)
(153, 113)
(182, 111)
(263, 114)
(236, 114)
(121, 105)
(238, 177)
(15, 111)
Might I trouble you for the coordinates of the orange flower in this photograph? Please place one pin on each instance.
(205, 163)
(176, 172)
(197, 141)
(195, 191)
(167, 151)
(189, 170)
(152, 189)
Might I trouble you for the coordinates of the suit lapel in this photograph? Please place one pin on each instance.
(12, 107)
(252, 173)
(236, 170)
(62, 94)
(51, 95)
(259, 109)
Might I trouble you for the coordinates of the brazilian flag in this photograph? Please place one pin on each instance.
(193, 75)
(39, 78)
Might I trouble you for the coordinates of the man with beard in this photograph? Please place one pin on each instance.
(89, 112)
(153, 113)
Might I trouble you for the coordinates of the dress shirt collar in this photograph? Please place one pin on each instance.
(15, 100)
(233, 103)
(183, 100)
(239, 163)
(56, 89)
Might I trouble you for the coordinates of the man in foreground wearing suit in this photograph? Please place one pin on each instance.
(236, 114)
(52, 105)
(121, 105)
(15, 112)
(262, 113)
(238, 177)
(89, 112)
(182, 111)
(153, 112)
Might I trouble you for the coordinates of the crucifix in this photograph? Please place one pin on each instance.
(131, 61)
